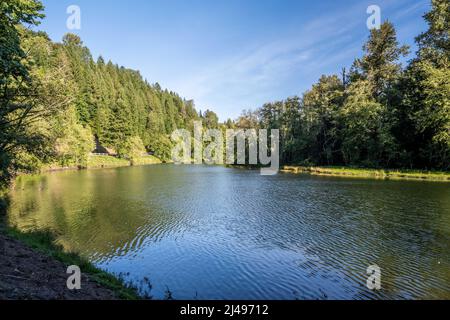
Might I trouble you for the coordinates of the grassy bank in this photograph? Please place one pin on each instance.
(96, 162)
(370, 173)
(101, 161)
(146, 160)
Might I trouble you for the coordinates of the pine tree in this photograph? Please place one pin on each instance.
(380, 65)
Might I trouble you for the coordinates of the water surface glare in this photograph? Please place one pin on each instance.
(218, 233)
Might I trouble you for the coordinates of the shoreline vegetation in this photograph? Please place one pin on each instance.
(59, 103)
(103, 162)
(355, 172)
(50, 262)
(385, 174)
(42, 246)
(49, 257)
(109, 162)
(43, 243)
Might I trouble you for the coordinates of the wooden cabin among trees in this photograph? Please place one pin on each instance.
(102, 150)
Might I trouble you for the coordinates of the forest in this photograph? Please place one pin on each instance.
(378, 114)
(56, 100)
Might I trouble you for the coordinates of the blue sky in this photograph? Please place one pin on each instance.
(230, 55)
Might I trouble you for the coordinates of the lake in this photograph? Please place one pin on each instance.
(209, 232)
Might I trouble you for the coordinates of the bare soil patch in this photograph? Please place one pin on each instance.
(29, 275)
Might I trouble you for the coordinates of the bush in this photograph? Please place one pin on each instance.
(131, 149)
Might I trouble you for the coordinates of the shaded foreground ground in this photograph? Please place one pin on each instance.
(28, 274)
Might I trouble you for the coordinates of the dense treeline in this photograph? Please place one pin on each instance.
(55, 99)
(378, 114)
(122, 109)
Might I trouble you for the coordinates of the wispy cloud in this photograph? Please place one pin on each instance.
(254, 74)
(249, 76)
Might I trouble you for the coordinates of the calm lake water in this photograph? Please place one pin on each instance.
(217, 233)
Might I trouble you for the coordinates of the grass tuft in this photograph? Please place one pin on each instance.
(146, 160)
(95, 161)
(370, 173)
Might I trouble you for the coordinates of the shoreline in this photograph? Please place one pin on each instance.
(108, 162)
(28, 250)
(103, 162)
(379, 174)
(34, 267)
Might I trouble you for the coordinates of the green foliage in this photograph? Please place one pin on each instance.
(16, 86)
(162, 147)
(210, 119)
(380, 64)
(379, 115)
(434, 44)
(55, 98)
(436, 111)
(370, 173)
(366, 137)
(146, 160)
(12, 14)
(98, 161)
(320, 112)
(131, 148)
(74, 142)
(426, 106)
(119, 105)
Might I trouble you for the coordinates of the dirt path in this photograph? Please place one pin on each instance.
(26, 274)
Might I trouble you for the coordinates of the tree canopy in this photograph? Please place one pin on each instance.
(55, 98)
(381, 114)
